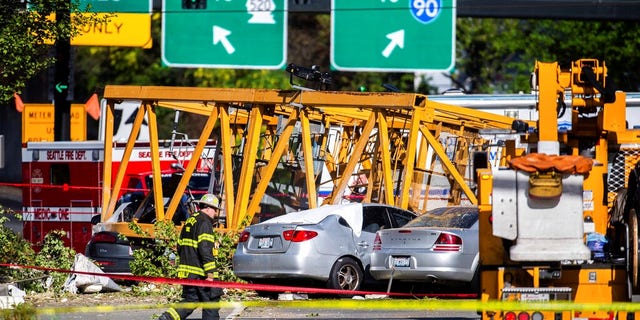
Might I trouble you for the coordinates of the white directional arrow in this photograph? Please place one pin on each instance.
(397, 39)
(220, 35)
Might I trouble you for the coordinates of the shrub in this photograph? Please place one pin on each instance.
(16, 250)
(54, 254)
(158, 257)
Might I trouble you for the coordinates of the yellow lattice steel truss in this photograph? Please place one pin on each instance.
(383, 143)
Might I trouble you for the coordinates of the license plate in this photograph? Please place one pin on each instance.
(534, 297)
(265, 243)
(401, 262)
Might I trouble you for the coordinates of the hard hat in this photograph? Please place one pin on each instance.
(209, 200)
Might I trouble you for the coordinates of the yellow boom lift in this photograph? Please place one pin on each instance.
(546, 218)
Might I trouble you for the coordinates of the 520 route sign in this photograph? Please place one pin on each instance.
(393, 35)
(250, 34)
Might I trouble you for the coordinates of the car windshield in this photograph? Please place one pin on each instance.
(446, 217)
(199, 182)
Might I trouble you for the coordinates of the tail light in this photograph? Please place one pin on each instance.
(448, 242)
(510, 316)
(105, 237)
(244, 236)
(377, 243)
(298, 235)
(523, 316)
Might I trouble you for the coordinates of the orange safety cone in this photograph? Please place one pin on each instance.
(92, 106)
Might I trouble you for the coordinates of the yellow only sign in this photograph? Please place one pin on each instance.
(122, 30)
(38, 122)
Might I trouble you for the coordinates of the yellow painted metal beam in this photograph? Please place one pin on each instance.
(419, 175)
(249, 152)
(385, 158)
(124, 162)
(549, 89)
(108, 162)
(155, 161)
(410, 159)
(308, 160)
(374, 100)
(226, 138)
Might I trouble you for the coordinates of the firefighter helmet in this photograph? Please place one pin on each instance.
(209, 200)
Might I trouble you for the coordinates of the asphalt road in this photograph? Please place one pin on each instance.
(240, 313)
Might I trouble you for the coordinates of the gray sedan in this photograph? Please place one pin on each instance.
(438, 246)
(330, 245)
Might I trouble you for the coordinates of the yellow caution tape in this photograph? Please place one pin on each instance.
(372, 304)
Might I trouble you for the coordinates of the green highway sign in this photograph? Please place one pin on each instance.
(393, 35)
(121, 6)
(249, 34)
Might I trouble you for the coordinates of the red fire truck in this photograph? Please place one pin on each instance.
(62, 180)
(63, 185)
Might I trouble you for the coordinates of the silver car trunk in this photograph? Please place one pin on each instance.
(409, 239)
(268, 238)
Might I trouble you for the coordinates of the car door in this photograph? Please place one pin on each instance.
(374, 218)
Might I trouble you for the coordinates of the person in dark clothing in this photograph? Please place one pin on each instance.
(195, 249)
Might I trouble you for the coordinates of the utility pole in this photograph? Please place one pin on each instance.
(61, 102)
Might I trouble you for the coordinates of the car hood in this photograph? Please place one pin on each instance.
(351, 212)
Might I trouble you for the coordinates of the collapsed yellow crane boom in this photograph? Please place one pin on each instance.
(390, 133)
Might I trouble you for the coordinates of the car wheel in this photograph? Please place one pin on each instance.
(346, 274)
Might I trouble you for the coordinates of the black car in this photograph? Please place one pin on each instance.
(112, 251)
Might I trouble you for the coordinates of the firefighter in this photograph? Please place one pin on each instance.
(195, 249)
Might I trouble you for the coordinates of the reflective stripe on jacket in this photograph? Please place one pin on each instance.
(195, 246)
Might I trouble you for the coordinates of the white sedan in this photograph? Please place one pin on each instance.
(329, 245)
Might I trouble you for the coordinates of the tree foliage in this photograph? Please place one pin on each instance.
(493, 56)
(27, 34)
(498, 55)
